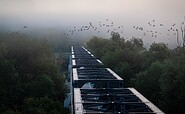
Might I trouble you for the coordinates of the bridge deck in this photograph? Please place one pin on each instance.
(112, 100)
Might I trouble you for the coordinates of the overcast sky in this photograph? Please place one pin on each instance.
(58, 11)
(68, 13)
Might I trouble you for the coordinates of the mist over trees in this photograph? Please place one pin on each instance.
(30, 79)
(158, 73)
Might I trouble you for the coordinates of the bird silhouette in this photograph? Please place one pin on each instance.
(25, 26)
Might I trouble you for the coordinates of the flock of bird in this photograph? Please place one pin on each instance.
(96, 27)
(152, 29)
(154, 32)
(91, 26)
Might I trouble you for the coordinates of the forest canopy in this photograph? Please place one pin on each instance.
(158, 72)
(30, 80)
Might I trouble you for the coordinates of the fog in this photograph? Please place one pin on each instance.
(63, 15)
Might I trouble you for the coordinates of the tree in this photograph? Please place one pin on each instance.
(119, 55)
(43, 105)
(158, 73)
(172, 84)
(27, 69)
(115, 37)
(157, 52)
(147, 82)
(98, 46)
(126, 72)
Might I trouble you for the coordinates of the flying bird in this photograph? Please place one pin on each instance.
(25, 27)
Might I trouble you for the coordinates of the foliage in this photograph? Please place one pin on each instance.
(98, 46)
(27, 70)
(147, 82)
(116, 52)
(157, 52)
(44, 105)
(158, 73)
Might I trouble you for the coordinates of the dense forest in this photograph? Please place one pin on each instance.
(31, 81)
(158, 72)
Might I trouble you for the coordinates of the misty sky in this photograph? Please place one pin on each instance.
(65, 14)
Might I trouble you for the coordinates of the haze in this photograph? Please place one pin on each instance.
(63, 15)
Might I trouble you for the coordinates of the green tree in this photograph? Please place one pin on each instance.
(157, 52)
(42, 105)
(119, 54)
(158, 73)
(98, 46)
(147, 82)
(172, 84)
(27, 69)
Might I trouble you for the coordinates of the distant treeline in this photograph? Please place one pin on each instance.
(158, 73)
(30, 79)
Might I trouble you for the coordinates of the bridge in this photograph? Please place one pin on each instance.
(96, 89)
